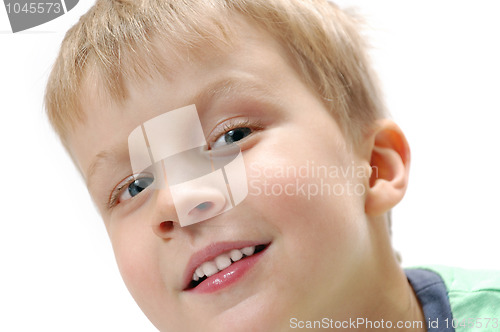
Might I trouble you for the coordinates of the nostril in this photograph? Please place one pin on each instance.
(166, 226)
(198, 205)
(204, 206)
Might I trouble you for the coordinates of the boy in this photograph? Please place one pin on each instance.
(287, 83)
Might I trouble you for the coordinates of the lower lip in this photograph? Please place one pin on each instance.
(228, 276)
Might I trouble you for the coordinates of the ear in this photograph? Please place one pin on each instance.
(390, 164)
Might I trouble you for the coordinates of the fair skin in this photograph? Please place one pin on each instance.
(328, 256)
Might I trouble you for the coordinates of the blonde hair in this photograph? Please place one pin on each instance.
(115, 42)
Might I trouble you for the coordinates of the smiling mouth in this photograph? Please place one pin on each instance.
(225, 261)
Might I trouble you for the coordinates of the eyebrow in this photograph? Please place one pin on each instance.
(230, 86)
(218, 89)
(101, 159)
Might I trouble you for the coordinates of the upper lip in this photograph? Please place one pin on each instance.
(209, 253)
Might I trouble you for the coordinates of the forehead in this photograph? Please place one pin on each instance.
(244, 44)
(248, 63)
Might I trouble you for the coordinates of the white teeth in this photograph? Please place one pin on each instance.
(248, 251)
(209, 268)
(222, 262)
(199, 272)
(235, 255)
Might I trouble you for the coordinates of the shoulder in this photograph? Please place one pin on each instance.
(472, 293)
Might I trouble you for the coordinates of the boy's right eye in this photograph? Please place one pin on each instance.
(129, 188)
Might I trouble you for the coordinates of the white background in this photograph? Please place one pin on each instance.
(439, 65)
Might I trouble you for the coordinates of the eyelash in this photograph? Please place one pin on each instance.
(229, 125)
(118, 189)
(232, 124)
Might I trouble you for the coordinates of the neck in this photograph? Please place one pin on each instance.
(375, 294)
(398, 304)
(393, 298)
(383, 303)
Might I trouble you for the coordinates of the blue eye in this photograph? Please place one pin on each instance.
(139, 185)
(232, 136)
(134, 188)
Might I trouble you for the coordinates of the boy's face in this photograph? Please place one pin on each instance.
(312, 226)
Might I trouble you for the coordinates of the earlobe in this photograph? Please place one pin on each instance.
(390, 163)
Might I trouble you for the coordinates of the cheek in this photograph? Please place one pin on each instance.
(137, 261)
(308, 206)
(131, 258)
(314, 202)
(314, 182)
(140, 269)
(132, 238)
(305, 196)
(319, 239)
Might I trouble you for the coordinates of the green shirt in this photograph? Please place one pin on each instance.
(474, 297)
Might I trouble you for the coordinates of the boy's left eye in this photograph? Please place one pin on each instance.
(231, 136)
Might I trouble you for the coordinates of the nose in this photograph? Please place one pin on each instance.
(192, 201)
(194, 205)
(187, 207)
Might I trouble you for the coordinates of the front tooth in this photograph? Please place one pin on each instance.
(195, 277)
(209, 268)
(248, 251)
(235, 255)
(199, 272)
(222, 262)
